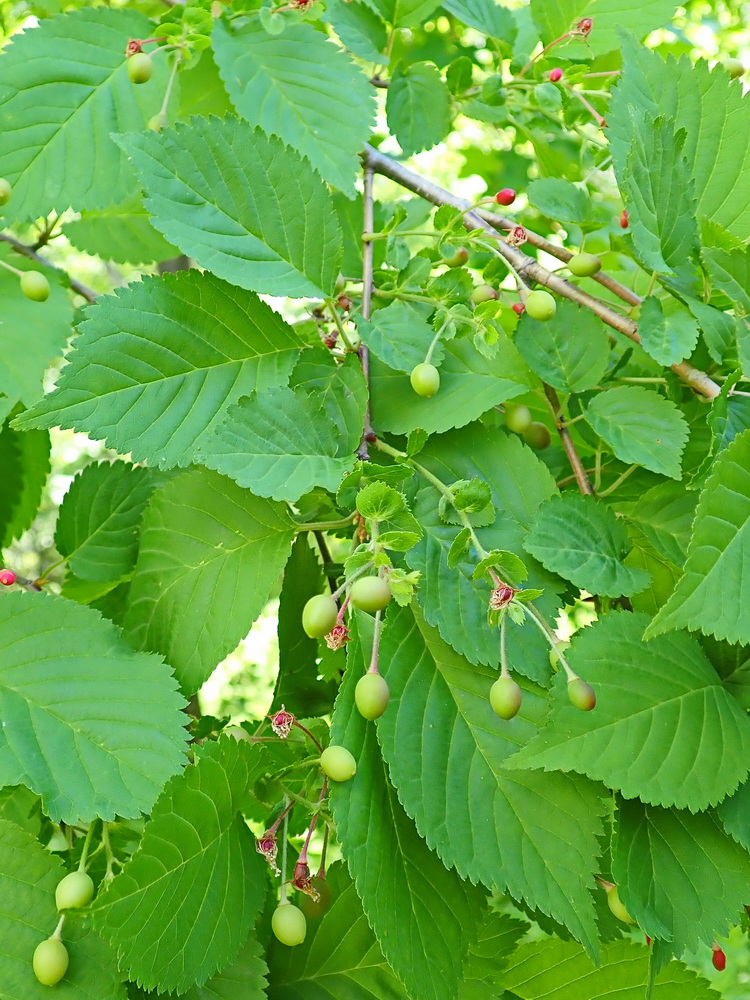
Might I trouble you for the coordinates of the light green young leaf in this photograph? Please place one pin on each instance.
(354, 970)
(99, 520)
(269, 79)
(570, 351)
(91, 726)
(244, 190)
(561, 200)
(710, 597)
(404, 13)
(379, 501)
(641, 427)
(706, 104)
(664, 728)
(561, 970)
(166, 912)
(486, 16)
(418, 106)
(400, 336)
(56, 124)
(122, 233)
(670, 337)
(210, 553)
(582, 540)
(532, 834)
(28, 876)
(680, 876)
(158, 363)
(423, 915)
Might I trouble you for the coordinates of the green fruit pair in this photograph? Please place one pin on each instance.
(76, 889)
(506, 697)
(35, 286)
(370, 594)
(288, 924)
(140, 67)
(337, 763)
(371, 696)
(425, 380)
(50, 961)
(540, 305)
(584, 265)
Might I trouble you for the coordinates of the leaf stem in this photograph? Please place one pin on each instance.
(86, 847)
(284, 842)
(373, 668)
(618, 482)
(368, 435)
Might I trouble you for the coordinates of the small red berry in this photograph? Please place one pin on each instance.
(718, 958)
(624, 219)
(518, 307)
(505, 197)
(7, 577)
(555, 74)
(584, 26)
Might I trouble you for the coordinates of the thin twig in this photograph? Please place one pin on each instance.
(325, 554)
(31, 254)
(531, 268)
(584, 484)
(368, 434)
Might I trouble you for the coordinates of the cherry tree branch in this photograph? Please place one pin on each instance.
(527, 266)
(31, 254)
(581, 476)
(368, 434)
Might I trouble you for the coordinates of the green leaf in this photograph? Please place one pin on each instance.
(719, 329)
(244, 190)
(665, 515)
(34, 334)
(664, 728)
(680, 876)
(706, 104)
(484, 15)
(89, 725)
(735, 815)
(582, 540)
(560, 970)
(166, 912)
(158, 363)
(488, 954)
(352, 970)
(407, 894)
(658, 190)
(25, 461)
(729, 271)
(520, 482)
(400, 336)
(641, 427)
(99, 520)
(122, 233)
(667, 338)
(570, 351)
(470, 385)
(359, 28)
(418, 106)
(530, 834)
(269, 79)
(380, 501)
(710, 596)
(561, 200)
(202, 89)
(57, 152)
(555, 17)
(210, 553)
(242, 979)
(28, 876)
(404, 13)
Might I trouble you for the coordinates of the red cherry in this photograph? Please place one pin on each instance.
(7, 577)
(718, 958)
(555, 75)
(505, 197)
(518, 307)
(624, 219)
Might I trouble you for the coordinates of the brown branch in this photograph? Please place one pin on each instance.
(31, 254)
(581, 476)
(528, 267)
(368, 434)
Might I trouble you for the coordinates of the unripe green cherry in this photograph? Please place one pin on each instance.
(540, 305)
(50, 962)
(5, 191)
(338, 763)
(483, 293)
(537, 436)
(371, 696)
(76, 889)
(140, 67)
(506, 697)
(425, 380)
(319, 615)
(370, 593)
(288, 924)
(458, 259)
(517, 418)
(616, 906)
(157, 122)
(35, 286)
(315, 908)
(581, 694)
(584, 265)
